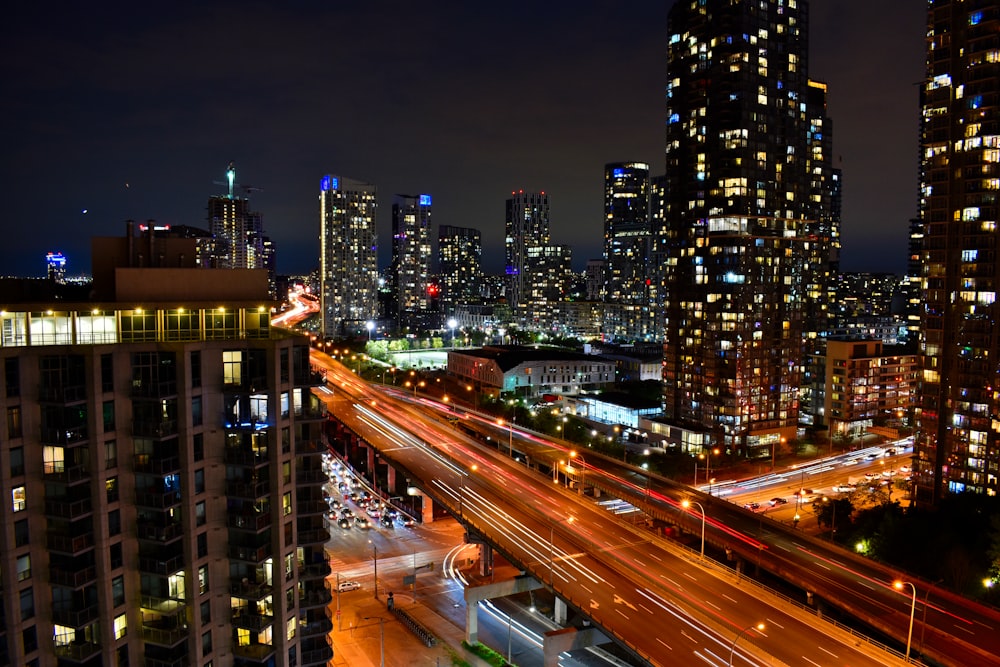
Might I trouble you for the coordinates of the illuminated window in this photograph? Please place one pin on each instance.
(120, 626)
(19, 501)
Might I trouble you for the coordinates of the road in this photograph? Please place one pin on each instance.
(668, 608)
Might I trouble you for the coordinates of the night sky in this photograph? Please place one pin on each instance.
(114, 111)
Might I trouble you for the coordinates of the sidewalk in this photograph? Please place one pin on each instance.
(357, 642)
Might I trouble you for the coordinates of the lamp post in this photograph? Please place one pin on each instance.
(583, 470)
(732, 649)
(375, 565)
(369, 325)
(898, 585)
(552, 538)
(381, 635)
(686, 504)
(451, 325)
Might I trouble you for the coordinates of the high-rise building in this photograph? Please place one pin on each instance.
(55, 266)
(627, 248)
(348, 258)
(551, 274)
(163, 470)
(958, 447)
(410, 271)
(527, 226)
(746, 219)
(460, 265)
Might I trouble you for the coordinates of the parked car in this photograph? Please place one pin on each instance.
(346, 586)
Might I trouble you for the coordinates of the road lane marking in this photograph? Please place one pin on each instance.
(964, 629)
(689, 576)
(730, 599)
(831, 653)
(646, 609)
(639, 562)
(709, 602)
(810, 661)
(671, 581)
(685, 634)
(623, 614)
(665, 643)
(775, 624)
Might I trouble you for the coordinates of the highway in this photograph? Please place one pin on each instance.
(645, 591)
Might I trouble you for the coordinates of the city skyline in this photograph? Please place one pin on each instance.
(127, 114)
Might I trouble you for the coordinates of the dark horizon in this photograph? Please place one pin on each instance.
(117, 113)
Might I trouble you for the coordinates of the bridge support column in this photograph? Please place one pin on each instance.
(559, 613)
(370, 453)
(473, 594)
(426, 509)
(391, 478)
(485, 560)
(568, 639)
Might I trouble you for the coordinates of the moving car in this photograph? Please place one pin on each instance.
(345, 586)
(753, 507)
(777, 501)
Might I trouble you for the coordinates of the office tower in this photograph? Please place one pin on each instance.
(411, 260)
(348, 256)
(594, 276)
(55, 266)
(551, 274)
(745, 220)
(163, 473)
(460, 265)
(626, 246)
(957, 448)
(527, 226)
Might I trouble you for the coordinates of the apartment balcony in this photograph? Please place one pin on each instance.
(249, 458)
(68, 544)
(157, 465)
(251, 621)
(63, 436)
(311, 506)
(157, 500)
(313, 536)
(160, 534)
(311, 476)
(247, 490)
(316, 657)
(310, 447)
(62, 394)
(311, 413)
(163, 606)
(77, 652)
(163, 634)
(256, 652)
(75, 578)
(157, 428)
(161, 566)
(257, 383)
(70, 510)
(153, 389)
(249, 590)
(254, 522)
(248, 554)
(57, 472)
(182, 661)
(76, 618)
(316, 570)
(316, 628)
(315, 597)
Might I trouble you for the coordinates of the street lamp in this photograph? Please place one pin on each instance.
(510, 436)
(583, 469)
(552, 538)
(451, 325)
(381, 635)
(686, 504)
(375, 565)
(369, 325)
(732, 649)
(898, 585)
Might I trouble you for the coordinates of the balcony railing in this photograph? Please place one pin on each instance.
(154, 389)
(237, 456)
(249, 554)
(249, 590)
(163, 534)
(250, 490)
(251, 621)
(159, 428)
(62, 393)
(257, 652)
(161, 566)
(161, 500)
(65, 436)
(162, 606)
(311, 506)
(75, 618)
(60, 473)
(311, 476)
(317, 535)
(316, 657)
(316, 628)
(71, 578)
(163, 636)
(77, 652)
(68, 509)
(67, 544)
(251, 522)
(158, 465)
(182, 661)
